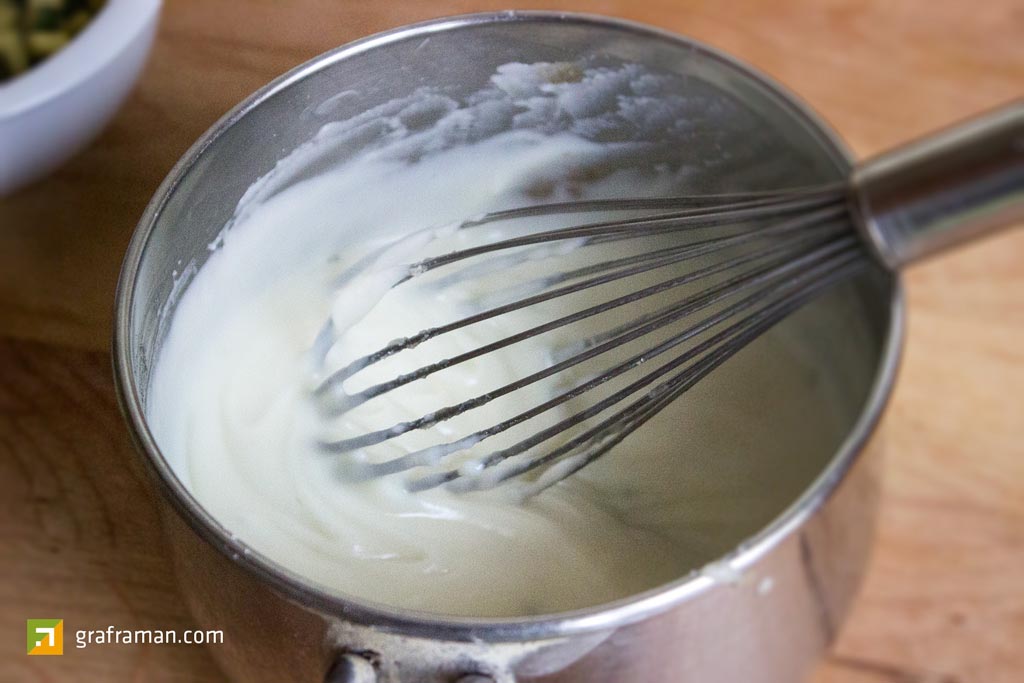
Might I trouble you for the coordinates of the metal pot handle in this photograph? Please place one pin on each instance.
(350, 667)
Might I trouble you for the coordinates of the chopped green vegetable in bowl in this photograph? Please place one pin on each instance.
(32, 30)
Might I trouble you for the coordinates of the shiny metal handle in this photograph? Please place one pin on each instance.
(942, 190)
(350, 667)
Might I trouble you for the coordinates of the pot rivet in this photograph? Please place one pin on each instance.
(351, 668)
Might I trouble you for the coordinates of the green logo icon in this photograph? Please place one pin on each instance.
(45, 636)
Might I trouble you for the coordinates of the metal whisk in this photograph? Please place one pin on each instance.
(738, 264)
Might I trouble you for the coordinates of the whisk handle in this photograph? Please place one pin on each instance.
(944, 189)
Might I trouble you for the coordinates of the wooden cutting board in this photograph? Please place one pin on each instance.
(79, 539)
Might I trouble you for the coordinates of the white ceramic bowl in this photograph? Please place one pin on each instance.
(55, 109)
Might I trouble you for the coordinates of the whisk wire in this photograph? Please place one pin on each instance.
(775, 251)
(812, 262)
(722, 346)
(784, 252)
(649, 261)
(685, 219)
(810, 195)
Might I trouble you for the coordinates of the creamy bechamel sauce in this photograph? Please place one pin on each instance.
(231, 404)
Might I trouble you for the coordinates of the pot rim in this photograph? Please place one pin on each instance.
(601, 617)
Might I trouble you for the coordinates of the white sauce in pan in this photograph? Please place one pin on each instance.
(231, 405)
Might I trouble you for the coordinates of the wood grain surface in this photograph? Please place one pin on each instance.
(79, 539)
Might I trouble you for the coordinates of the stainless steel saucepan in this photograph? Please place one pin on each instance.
(762, 612)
